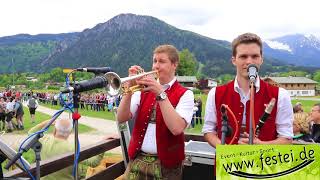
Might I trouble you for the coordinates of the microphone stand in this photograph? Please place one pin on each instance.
(251, 126)
(35, 145)
(75, 117)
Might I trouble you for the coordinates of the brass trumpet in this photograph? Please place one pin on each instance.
(115, 83)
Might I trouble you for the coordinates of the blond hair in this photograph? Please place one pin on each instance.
(170, 50)
(301, 120)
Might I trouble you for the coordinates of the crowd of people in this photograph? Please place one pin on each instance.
(11, 111)
(88, 101)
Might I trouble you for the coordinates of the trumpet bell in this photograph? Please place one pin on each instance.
(114, 84)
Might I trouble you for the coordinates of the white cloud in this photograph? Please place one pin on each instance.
(219, 19)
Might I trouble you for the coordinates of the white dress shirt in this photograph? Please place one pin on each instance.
(184, 109)
(284, 115)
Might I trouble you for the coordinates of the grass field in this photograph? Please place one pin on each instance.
(306, 104)
(40, 117)
(97, 114)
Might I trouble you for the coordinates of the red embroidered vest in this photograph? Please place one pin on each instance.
(170, 148)
(226, 95)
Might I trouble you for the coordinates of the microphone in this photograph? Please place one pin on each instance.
(252, 72)
(87, 85)
(265, 115)
(95, 70)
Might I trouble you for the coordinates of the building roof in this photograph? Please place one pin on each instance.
(292, 80)
(187, 79)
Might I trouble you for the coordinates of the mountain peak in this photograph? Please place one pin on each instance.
(124, 22)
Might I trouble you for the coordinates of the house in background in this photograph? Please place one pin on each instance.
(296, 86)
(187, 81)
(206, 84)
(32, 79)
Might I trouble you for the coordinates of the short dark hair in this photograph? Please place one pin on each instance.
(246, 38)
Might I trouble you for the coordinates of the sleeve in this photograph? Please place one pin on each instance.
(185, 106)
(210, 117)
(284, 117)
(135, 103)
(37, 104)
(16, 106)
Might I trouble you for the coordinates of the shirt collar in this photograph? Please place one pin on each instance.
(169, 85)
(237, 87)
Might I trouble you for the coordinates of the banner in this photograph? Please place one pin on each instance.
(268, 162)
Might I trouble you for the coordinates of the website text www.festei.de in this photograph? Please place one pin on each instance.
(264, 160)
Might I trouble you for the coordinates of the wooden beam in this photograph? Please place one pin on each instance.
(112, 172)
(62, 161)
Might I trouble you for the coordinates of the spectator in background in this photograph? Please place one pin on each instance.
(194, 116)
(56, 144)
(18, 109)
(2, 113)
(9, 113)
(298, 108)
(301, 127)
(315, 118)
(32, 104)
(198, 113)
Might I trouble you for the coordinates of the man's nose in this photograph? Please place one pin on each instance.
(249, 60)
(155, 65)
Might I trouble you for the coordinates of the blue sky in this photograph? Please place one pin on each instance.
(219, 19)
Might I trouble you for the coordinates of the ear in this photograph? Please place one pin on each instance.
(233, 60)
(175, 65)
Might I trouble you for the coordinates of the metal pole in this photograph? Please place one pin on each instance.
(76, 106)
(252, 92)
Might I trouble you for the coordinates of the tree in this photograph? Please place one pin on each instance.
(294, 74)
(188, 64)
(316, 76)
(225, 78)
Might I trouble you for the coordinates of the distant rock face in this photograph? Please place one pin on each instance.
(298, 49)
(129, 39)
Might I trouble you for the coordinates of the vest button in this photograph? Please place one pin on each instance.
(139, 142)
(143, 129)
(137, 148)
(141, 135)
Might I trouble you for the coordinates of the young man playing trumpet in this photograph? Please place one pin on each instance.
(162, 110)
